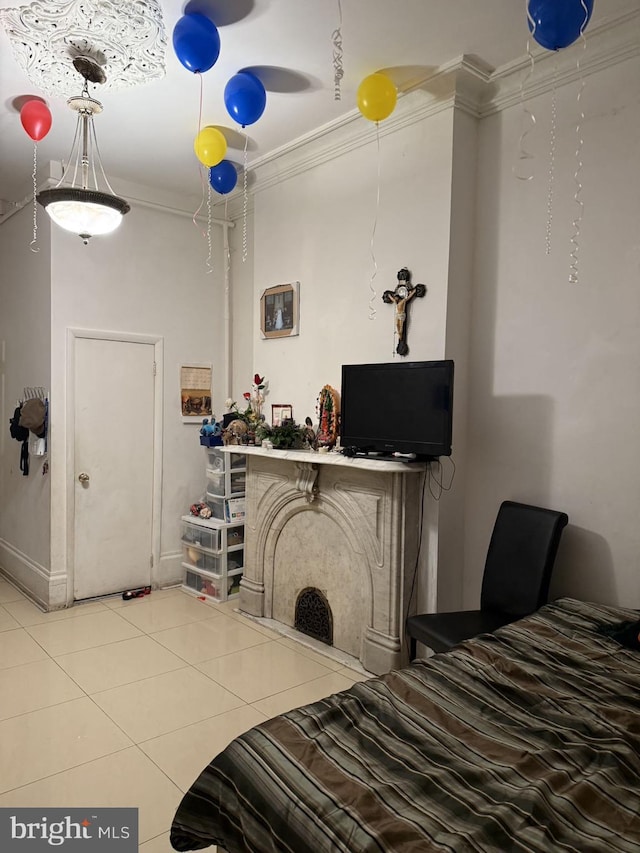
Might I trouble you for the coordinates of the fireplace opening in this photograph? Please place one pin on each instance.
(313, 615)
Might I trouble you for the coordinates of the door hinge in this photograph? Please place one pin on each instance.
(154, 368)
(151, 561)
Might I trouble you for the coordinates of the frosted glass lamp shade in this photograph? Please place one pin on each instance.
(84, 212)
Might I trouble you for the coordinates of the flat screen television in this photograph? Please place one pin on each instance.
(397, 408)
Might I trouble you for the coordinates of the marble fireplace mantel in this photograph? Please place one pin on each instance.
(346, 526)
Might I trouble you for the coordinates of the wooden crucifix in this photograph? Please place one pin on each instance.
(402, 296)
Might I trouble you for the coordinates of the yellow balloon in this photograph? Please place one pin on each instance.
(210, 146)
(377, 97)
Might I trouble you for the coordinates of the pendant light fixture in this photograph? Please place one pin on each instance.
(83, 201)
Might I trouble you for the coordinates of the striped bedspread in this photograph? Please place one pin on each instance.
(523, 740)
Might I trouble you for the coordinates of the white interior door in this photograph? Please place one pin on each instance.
(113, 456)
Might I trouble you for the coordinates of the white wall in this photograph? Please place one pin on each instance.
(555, 394)
(25, 338)
(149, 277)
(317, 226)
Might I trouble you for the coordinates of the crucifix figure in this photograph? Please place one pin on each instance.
(402, 296)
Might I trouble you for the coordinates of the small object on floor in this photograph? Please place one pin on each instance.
(136, 593)
(202, 598)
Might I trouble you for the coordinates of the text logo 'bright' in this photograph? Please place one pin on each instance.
(102, 830)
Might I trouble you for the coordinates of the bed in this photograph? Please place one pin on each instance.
(523, 740)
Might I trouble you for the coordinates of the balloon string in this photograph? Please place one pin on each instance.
(195, 215)
(201, 98)
(372, 310)
(227, 259)
(209, 265)
(32, 244)
(552, 158)
(528, 117)
(244, 200)
(577, 222)
(338, 69)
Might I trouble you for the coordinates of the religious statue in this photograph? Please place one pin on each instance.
(402, 296)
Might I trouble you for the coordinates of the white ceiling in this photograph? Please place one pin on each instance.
(146, 133)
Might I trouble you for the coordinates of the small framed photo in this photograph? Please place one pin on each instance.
(280, 311)
(280, 412)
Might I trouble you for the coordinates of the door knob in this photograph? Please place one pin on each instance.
(83, 478)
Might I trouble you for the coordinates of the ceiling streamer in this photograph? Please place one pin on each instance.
(338, 68)
(554, 25)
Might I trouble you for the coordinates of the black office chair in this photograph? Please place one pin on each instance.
(516, 578)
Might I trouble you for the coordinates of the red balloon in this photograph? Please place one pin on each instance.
(36, 119)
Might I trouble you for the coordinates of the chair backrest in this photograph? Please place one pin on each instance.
(520, 558)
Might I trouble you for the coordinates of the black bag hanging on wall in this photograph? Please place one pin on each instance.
(20, 433)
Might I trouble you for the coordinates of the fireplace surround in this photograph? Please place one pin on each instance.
(346, 527)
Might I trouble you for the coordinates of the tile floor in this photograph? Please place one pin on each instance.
(118, 703)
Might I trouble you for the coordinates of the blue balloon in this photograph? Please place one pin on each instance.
(223, 177)
(245, 98)
(196, 42)
(558, 23)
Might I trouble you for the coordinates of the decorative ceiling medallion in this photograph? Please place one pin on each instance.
(127, 38)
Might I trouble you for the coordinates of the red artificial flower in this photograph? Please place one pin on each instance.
(257, 379)
(247, 395)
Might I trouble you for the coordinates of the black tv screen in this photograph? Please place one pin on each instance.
(400, 407)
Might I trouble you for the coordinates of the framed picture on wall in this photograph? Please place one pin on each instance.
(280, 311)
(195, 392)
(281, 412)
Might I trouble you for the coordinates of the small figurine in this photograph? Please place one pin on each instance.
(310, 433)
(212, 428)
(236, 432)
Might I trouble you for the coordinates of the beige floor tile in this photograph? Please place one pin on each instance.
(164, 703)
(85, 632)
(115, 602)
(118, 663)
(7, 622)
(183, 754)
(325, 660)
(34, 685)
(50, 740)
(26, 613)
(127, 779)
(262, 670)
(304, 694)
(353, 675)
(230, 608)
(152, 615)
(8, 592)
(209, 638)
(18, 647)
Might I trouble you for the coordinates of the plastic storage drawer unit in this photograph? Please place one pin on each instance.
(202, 584)
(220, 461)
(197, 532)
(199, 559)
(225, 483)
(226, 509)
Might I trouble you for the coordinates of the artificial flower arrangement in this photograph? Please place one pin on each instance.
(252, 415)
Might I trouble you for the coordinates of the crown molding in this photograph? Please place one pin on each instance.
(611, 42)
(466, 83)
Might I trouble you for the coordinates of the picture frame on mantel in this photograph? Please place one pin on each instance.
(281, 412)
(280, 311)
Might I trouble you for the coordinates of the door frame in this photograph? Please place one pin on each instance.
(157, 342)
